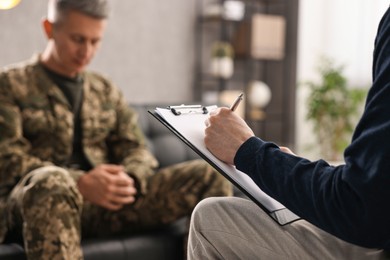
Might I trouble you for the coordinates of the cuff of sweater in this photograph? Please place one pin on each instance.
(251, 154)
(245, 156)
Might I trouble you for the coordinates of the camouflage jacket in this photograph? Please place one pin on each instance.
(36, 128)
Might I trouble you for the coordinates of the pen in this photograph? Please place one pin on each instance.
(236, 102)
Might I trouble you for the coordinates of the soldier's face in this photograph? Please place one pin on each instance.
(75, 41)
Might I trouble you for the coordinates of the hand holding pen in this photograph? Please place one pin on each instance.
(226, 131)
(232, 108)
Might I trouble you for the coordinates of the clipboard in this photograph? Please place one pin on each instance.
(187, 123)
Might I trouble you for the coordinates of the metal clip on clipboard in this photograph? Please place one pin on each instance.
(188, 109)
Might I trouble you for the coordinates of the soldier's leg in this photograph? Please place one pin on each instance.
(175, 191)
(172, 193)
(46, 207)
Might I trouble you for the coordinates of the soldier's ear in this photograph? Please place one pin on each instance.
(48, 28)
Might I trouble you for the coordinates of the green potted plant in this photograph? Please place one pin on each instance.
(222, 55)
(332, 107)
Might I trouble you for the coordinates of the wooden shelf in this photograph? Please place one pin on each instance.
(280, 75)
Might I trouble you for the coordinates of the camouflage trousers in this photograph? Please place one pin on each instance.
(49, 212)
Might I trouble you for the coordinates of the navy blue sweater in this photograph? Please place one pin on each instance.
(351, 201)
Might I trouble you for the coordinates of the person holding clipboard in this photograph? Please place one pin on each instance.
(344, 209)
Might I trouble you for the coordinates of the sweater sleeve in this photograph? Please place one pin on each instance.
(348, 201)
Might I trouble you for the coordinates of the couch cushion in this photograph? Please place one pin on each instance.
(11, 251)
(145, 246)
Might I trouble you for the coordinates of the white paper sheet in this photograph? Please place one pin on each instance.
(191, 127)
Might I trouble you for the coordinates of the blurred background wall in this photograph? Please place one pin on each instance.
(147, 50)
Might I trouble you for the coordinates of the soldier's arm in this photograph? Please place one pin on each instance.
(127, 145)
(15, 160)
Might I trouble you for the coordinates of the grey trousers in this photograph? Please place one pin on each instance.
(235, 228)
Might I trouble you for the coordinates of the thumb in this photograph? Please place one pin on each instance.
(113, 168)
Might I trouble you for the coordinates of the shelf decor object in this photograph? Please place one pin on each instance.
(266, 41)
(259, 96)
(268, 37)
(233, 10)
(222, 65)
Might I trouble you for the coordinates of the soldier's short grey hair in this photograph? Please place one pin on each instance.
(57, 9)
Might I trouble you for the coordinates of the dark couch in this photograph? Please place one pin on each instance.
(165, 243)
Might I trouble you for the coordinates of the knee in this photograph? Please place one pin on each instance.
(211, 210)
(197, 214)
(205, 210)
(207, 204)
(50, 181)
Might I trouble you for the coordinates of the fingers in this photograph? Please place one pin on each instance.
(207, 122)
(286, 150)
(118, 197)
(212, 113)
(122, 188)
(216, 112)
(111, 168)
(123, 191)
(122, 179)
(108, 186)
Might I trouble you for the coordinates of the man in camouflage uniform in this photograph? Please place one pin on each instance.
(72, 158)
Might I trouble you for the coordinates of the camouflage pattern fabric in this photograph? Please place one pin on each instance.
(45, 207)
(36, 131)
(172, 193)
